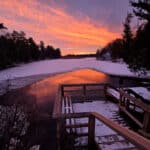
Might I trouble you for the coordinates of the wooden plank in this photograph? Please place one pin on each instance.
(72, 91)
(91, 133)
(146, 122)
(59, 131)
(57, 104)
(131, 116)
(95, 90)
(137, 102)
(77, 125)
(61, 90)
(75, 115)
(139, 141)
(87, 90)
(86, 84)
(84, 90)
(112, 142)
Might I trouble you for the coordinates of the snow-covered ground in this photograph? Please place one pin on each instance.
(104, 136)
(63, 65)
(25, 74)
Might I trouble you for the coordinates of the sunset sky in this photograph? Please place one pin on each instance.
(75, 26)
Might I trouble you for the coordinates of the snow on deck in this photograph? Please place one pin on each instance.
(104, 134)
(113, 92)
(142, 91)
(107, 109)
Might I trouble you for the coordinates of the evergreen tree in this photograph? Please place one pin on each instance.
(141, 9)
(2, 26)
(58, 53)
(15, 48)
(127, 38)
(114, 49)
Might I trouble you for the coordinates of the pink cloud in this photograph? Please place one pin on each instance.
(54, 25)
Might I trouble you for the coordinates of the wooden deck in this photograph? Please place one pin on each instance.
(85, 92)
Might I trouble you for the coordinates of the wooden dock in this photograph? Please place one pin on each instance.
(130, 103)
(84, 92)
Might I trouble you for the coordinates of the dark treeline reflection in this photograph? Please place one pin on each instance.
(16, 48)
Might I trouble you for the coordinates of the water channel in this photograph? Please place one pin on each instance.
(43, 94)
(44, 91)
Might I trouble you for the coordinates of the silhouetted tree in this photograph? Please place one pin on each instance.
(127, 38)
(34, 49)
(57, 53)
(141, 53)
(135, 50)
(113, 49)
(2, 26)
(141, 9)
(42, 50)
(15, 48)
(116, 49)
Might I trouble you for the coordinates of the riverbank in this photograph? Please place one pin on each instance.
(27, 74)
(65, 65)
(42, 95)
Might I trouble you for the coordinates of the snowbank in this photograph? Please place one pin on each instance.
(63, 65)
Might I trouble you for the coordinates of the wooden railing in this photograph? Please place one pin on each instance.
(124, 105)
(83, 90)
(111, 91)
(139, 141)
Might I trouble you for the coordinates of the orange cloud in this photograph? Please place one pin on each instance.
(54, 25)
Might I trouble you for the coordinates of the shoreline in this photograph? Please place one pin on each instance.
(20, 82)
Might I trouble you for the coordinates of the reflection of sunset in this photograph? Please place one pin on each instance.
(49, 86)
(55, 25)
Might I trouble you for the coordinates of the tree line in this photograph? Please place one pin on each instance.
(16, 48)
(134, 46)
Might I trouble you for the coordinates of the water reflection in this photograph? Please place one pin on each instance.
(46, 89)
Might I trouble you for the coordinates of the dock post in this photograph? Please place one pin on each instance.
(91, 132)
(146, 125)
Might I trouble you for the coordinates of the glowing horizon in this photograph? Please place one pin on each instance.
(72, 31)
